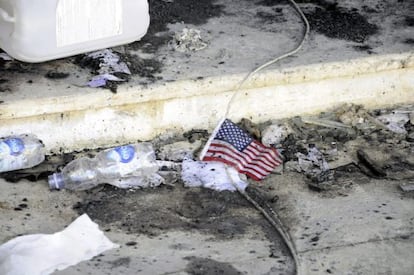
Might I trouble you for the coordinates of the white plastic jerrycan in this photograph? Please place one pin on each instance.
(40, 30)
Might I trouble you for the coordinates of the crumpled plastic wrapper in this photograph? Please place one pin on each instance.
(42, 254)
(5, 57)
(212, 175)
(110, 63)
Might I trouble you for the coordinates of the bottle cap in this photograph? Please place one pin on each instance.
(56, 181)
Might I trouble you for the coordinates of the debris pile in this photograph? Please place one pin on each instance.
(376, 143)
(330, 151)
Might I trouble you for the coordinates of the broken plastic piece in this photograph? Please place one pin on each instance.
(5, 57)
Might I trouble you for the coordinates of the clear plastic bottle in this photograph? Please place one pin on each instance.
(109, 166)
(20, 152)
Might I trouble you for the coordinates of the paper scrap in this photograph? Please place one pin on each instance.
(42, 254)
(211, 175)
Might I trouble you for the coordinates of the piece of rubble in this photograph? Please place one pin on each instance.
(250, 127)
(274, 134)
(358, 117)
(369, 163)
(407, 187)
(410, 137)
(351, 114)
(325, 123)
(338, 159)
(179, 150)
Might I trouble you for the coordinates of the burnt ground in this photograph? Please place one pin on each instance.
(199, 266)
(327, 18)
(224, 215)
(183, 208)
(352, 26)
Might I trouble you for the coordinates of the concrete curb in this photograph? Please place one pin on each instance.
(90, 118)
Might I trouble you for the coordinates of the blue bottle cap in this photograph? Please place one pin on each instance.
(126, 153)
(16, 146)
(56, 181)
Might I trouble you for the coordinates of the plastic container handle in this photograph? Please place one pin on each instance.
(6, 17)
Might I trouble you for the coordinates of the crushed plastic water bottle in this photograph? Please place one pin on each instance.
(126, 166)
(20, 152)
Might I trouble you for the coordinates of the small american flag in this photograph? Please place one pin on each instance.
(232, 145)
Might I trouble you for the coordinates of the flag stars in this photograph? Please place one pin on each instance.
(233, 146)
(234, 135)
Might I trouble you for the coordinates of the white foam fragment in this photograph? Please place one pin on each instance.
(213, 175)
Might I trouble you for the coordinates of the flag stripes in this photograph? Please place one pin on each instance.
(232, 145)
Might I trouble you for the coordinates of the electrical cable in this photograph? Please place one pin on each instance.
(275, 221)
(277, 224)
(271, 62)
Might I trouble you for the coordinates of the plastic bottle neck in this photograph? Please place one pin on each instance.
(56, 181)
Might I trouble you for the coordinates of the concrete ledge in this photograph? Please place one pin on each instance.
(76, 118)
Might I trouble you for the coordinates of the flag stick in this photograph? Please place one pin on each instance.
(212, 136)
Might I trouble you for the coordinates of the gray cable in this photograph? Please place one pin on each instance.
(292, 52)
(277, 224)
(275, 221)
